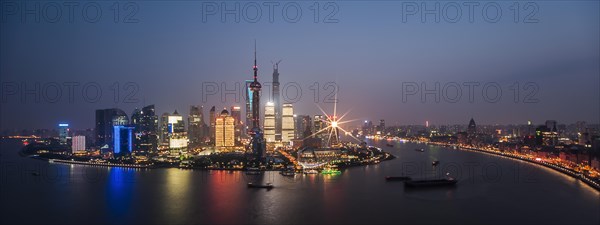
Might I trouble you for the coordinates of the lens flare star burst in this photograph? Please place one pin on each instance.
(333, 122)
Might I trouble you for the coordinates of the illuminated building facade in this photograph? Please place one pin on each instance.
(287, 131)
(145, 122)
(123, 140)
(105, 120)
(249, 95)
(178, 141)
(238, 124)
(269, 123)
(78, 144)
(225, 130)
(63, 133)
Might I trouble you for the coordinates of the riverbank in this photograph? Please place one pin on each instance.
(577, 175)
(109, 164)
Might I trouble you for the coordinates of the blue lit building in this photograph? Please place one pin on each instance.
(248, 105)
(105, 120)
(63, 133)
(123, 140)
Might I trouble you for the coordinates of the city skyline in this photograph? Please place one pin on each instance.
(300, 112)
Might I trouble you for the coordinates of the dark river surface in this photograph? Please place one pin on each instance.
(491, 189)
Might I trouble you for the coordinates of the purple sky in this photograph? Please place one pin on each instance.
(170, 54)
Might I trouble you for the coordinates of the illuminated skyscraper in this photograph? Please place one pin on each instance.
(146, 134)
(78, 144)
(211, 127)
(238, 124)
(63, 133)
(123, 140)
(269, 122)
(105, 120)
(178, 141)
(277, 103)
(249, 94)
(196, 125)
(164, 129)
(287, 131)
(224, 130)
(258, 144)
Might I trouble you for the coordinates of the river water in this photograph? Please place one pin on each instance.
(491, 189)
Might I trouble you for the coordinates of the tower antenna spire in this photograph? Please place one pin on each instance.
(255, 68)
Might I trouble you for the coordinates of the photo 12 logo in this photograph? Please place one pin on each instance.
(254, 12)
(454, 12)
(35, 12)
(291, 92)
(453, 92)
(68, 92)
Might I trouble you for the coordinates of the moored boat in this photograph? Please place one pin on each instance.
(400, 178)
(267, 185)
(288, 173)
(448, 181)
(253, 171)
(311, 172)
(331, 171)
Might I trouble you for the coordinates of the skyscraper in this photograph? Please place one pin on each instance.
(277, 103)
(105, 120)
(224, 130)
(178, 141)
(196, 125)
(287, 131)
(145, 123)
(269, 125)
(63, 133)
(318, 126)
(238, 124)
(301, 123)
(258, 145)
(78, 144)
(472, 128)
(249, 94)
(307, 130)
(123, 140)
(211, 128)
(550, 134)
(164, 129)
(472, 132)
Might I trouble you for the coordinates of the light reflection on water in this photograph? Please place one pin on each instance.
(73, 194)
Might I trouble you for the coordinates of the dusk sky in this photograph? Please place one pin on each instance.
(370, 53)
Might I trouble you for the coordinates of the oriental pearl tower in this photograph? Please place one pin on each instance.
(257, 143)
